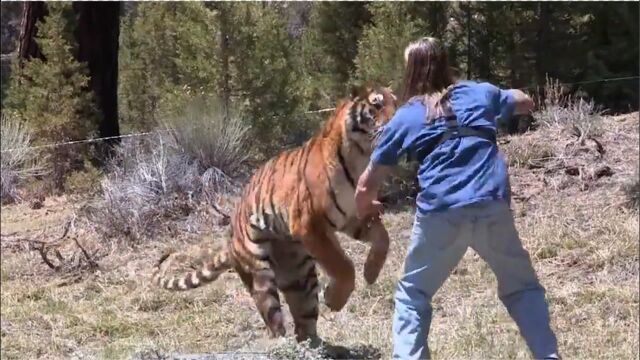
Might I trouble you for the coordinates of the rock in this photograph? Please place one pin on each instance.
(602, 171)
(36, 203)
(572, 170)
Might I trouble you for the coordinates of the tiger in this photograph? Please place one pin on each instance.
(287, 216)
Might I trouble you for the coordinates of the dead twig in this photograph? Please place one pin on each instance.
(67, 226)
(74, 262)
(220, 211)
(43, 254)
(88, 257)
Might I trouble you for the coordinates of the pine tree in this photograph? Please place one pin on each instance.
(169, 52)
(265, 74)
(381, 48)
(329, 47)
(51, 95)
(613, 30)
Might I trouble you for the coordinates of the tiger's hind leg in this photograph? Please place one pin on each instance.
(262, 287)
(301, 295)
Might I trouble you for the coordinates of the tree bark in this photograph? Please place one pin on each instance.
(97, 33)
(225, 80)
(32, 12)
(486, 36)
(541, 48)
(468, 24)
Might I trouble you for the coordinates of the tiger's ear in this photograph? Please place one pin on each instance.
(390, 92)
(360, 91)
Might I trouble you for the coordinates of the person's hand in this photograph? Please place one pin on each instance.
(366, 194)
(369, 208)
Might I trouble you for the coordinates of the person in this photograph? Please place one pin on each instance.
(464, 200)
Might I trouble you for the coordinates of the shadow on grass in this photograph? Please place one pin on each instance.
(330, 351)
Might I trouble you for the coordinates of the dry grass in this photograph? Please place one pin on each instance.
(632, 190)
(583, 240)
(529, 152)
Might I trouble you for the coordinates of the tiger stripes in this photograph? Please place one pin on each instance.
(286, 220)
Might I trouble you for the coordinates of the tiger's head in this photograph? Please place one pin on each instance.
(370, 108)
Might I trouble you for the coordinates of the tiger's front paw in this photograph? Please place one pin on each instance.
(337, 295)
(372, 268)
(377, 254)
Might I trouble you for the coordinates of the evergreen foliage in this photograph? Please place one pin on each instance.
(51, 95)
(269, 63)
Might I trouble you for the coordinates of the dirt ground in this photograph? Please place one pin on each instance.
(572, 213)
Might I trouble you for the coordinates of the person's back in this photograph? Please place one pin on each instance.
(450, 129)
(462, 170)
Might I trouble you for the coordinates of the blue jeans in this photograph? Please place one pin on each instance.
(438, 242)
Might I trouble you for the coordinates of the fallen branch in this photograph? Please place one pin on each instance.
(72, 263)
(43, 255)
(88, 257)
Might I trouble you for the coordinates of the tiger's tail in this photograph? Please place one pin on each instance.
(209, 272)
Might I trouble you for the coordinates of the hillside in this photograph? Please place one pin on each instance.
(573, 190)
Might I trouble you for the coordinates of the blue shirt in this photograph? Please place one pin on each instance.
(460, 171)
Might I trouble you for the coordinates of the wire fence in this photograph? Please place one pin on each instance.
(92, 140)
(585, 82)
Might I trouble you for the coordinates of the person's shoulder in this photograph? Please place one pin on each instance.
(478, 88)
(408, 114)
(411, 107)
(476, 85)
(465, 83)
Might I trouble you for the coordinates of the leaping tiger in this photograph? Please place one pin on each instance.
(287, 216)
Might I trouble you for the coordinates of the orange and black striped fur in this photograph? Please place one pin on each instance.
(286, 219)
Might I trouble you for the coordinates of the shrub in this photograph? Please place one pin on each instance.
(402, 187)
(207, 135)
(573, 113)
(19, 162)
(267, 76)
(164, 46)
(240, 52)
(83, 182)
(137, 190)
(148, 182)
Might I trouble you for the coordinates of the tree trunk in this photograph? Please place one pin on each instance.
(542, 49)
(486, 35)
(97, 33)
(437, 18)
(224, 55)
(511, 51)
(468, 24)
(32, 12)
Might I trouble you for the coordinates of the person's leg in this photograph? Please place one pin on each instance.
(498, 243)
(436, 247)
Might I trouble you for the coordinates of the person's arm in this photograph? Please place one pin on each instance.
(521, 103)
(367, 190)
(395, 140)
(508, 105)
